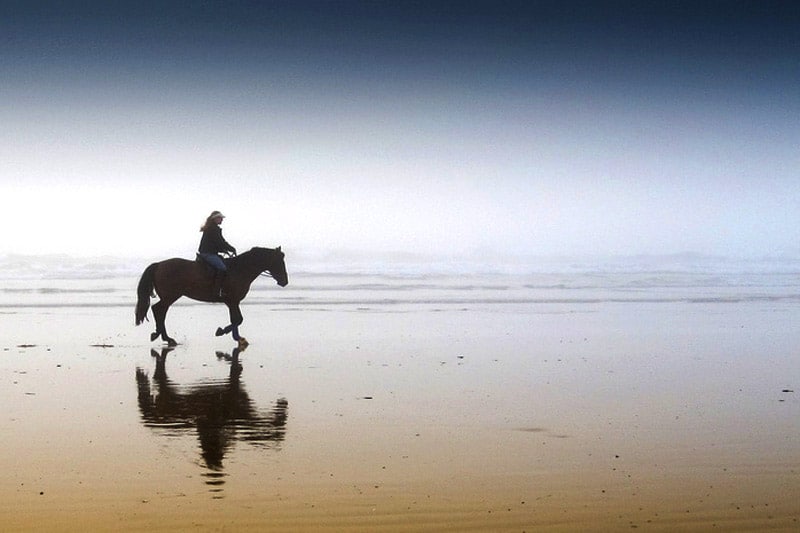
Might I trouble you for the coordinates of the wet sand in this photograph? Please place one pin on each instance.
(488, 417)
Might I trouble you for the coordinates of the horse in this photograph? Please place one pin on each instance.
(173, 278)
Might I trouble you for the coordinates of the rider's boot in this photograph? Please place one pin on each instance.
(219, 279)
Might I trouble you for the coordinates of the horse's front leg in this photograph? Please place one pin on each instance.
(233, 327)
(236, 321)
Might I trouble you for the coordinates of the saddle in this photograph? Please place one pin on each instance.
(203, 261)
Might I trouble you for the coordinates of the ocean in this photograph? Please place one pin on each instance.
(108, 282)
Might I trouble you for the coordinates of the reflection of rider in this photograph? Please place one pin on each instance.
(213, 243)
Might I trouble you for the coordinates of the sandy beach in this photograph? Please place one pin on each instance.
(458, 404)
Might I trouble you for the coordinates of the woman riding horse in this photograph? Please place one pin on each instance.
(212, 243)
(175, 278)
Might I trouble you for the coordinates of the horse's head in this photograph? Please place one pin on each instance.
(272, 261)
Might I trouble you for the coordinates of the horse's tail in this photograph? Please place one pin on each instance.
(144, 290)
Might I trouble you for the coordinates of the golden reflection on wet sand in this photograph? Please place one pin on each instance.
(220, 413)
(593, 418)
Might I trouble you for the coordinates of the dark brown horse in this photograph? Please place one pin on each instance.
(174, 278)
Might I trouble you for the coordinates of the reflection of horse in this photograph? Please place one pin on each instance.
(221, 412)
(173, 278)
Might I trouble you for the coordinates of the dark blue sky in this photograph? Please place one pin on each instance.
(740, 31)
(742, 45)
(566, 126)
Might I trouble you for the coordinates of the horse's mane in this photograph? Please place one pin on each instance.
(237, 259)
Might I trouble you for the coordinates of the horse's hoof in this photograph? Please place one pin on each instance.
(243, 342)
(220, 332)
(153, 336)
(172, 343)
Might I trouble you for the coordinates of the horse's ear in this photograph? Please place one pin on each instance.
(278, 248)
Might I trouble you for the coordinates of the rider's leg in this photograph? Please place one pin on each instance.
(219, 272)
(219, 279)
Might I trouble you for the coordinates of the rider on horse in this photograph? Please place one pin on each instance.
(213, 243)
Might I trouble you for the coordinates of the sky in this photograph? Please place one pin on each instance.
(537, 128)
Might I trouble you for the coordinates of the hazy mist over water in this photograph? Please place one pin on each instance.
(457, 132)
(366, 284)
(62, 266)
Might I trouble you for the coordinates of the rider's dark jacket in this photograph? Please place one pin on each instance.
(213, 242)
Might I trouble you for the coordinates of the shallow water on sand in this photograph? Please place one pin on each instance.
(501, 403)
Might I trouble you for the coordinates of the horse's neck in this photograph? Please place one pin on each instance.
(248, 270)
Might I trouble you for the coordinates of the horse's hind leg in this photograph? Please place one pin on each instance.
(160, 314)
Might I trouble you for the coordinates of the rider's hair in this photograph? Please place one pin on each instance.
(206, 224)
(210, 220)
